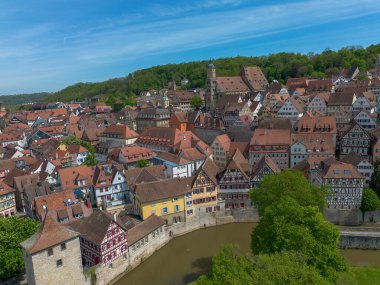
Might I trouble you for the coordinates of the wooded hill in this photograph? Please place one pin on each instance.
(279, 66)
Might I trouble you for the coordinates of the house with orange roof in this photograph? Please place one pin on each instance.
(251, 79)
(78, 180)
(203, 195)
(265, 166)
(130, 155)
(176, 166)
(292, 108)
(234, 182)
(223, 149)
(179, 121)
(110, 188)
(272, 142)
(120, 133)
(7, 200)
(344, 181)
(305, 145)
(318, 102)
(171, 140)
(52, 254)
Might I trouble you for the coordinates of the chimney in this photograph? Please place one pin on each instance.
(114, 216)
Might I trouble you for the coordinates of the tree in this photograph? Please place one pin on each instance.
(288, 183)
(73, 140)
(375, 178)
(90, 159)
(13, 231)
(142, 163)
(288, 226)
(370, 201)
(196, 102)
(229, 266)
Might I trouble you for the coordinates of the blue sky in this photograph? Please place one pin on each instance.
(48, 45)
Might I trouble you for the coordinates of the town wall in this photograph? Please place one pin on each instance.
(360, 238)
(350, 217)
(110, 274)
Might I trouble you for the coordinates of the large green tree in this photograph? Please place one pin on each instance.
(375, 178)
(230, 267)
(288, 226)
(288, 183)
(13, 231)
(370, 201)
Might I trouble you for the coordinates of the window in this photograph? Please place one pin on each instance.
(59, 263)
(175, 199)
(50, 251)
(63, 246)
(176, 208)
(164, 211)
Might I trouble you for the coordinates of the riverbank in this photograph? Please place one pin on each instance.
(186, 257)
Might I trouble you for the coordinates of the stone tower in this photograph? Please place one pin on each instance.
(211, 88)
(165, 101)
(378, 65)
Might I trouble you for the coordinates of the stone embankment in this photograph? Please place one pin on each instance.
(351, 238)
(109, 275)
(360, 238)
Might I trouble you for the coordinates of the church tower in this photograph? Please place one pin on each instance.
(210, 88)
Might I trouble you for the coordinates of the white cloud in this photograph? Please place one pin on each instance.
(48, 52)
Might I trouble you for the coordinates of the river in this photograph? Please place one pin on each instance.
(186, 257)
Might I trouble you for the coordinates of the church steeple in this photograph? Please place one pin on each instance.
(211, 88)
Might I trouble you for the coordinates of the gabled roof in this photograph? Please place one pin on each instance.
(224, 141)
(353, 158)
(254, 78)
(338, 99)
(270, 137)
(210, 169)
(146, 174)
(338, 170)
(230, 84)
(50, 234)
(238, 162)
(94, 227)
(265, 160)
(143, 229)
(163, 189)
(122, 130)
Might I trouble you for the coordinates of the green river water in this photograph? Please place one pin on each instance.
(186, 257)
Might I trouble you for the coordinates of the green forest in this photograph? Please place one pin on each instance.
(279, 66)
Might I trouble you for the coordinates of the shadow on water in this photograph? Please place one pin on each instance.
(202, 266)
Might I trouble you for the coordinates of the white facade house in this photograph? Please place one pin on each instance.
(362, 103)
(366, 120)
(291, 109)
(175, 166)
(112, 194)
(318, 103)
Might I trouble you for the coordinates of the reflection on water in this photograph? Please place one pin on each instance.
(186, 257)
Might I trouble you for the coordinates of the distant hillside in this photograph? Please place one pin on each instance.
(11, 100)
(278, 66)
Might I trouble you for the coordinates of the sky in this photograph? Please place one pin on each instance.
(48, 45)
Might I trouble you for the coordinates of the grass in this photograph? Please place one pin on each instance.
(360, 275)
